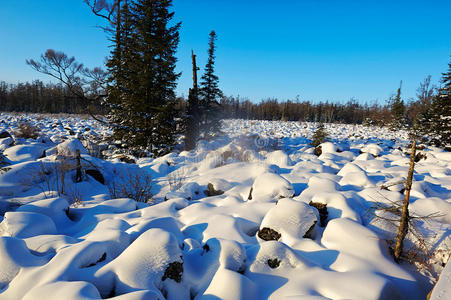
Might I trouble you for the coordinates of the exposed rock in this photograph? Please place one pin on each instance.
(309, 234)
(268, 234)
(96, 175)
(174, 271)
(273, 263)
(290, 219)
(322, 209)
(4, 134)
(318, 150)
(211, 191)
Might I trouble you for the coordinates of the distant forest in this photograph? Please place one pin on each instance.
(39, 97)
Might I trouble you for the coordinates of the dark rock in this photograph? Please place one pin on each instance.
(126, 159)
(96, 175)
(309, 233)
(419, 156)
(318, 150)
(421, 147)
(212, 192)
(174, 271)
(98, 261)
(268, 234)
(4, 134)
(273, 263)
(322, 209)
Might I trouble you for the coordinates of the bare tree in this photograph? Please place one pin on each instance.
(86, 84)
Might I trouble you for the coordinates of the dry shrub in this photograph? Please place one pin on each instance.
(418, 251)
(136, 185)
(176, 179)
(28, 131)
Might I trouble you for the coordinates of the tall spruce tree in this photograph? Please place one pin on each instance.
(210, 94)
(398, 111)
(141, 92)
(440, 113)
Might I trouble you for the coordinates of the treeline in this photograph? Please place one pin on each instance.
(350, 112)
(39, 97)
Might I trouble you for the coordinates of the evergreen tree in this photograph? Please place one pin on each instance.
(210, 94)
(440, 112)
(422, 119)
(141, 93)
(398, 111)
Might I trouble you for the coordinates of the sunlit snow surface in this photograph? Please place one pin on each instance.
(51, 248)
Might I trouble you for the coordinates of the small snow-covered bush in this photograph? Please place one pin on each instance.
(319, 136)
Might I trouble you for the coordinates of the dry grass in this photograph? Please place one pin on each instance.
(27, 131)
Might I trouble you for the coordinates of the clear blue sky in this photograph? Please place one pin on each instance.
(317, 49)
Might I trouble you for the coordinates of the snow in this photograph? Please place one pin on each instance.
(291, 219)
(200, 234)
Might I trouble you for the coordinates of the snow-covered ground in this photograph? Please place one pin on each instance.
(229, 220)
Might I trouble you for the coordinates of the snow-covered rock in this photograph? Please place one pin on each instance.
(26, 224)
(69, 147)
(270, 185)
(291, 219)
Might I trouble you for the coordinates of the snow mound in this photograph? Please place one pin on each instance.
(69, 147)
(270, 185)
(142, 265)
(291, 219)
(328, 147)
(372, 149)
(279, 158)
(26, 224)
(68, 290)
(274, 256)
(14, 255)
(354, 175)
(229, 285)
(23, 153)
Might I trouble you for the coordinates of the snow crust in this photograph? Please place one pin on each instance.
(198, 236)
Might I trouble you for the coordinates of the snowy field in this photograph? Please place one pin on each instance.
(230, 220)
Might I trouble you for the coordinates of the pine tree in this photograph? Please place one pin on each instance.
(210, 94)
(141, 94)
(398, 111)
(440, 113)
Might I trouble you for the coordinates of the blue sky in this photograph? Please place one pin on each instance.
(317, 49)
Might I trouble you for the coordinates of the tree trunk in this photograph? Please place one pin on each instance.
(404, 223)
(78, 175)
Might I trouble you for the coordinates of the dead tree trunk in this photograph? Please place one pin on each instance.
(404, 223)
(192, 123)
(78, 175)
